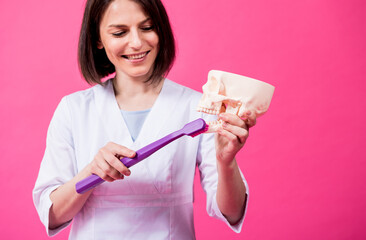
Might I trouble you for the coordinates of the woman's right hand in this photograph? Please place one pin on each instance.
(107, 165)
(66, 202)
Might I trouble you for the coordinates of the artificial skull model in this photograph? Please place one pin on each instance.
(232, 93)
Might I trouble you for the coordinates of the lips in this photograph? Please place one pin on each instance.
(137, 56)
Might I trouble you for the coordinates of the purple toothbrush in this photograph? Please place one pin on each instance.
(192, 129)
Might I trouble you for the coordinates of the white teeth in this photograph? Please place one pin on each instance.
(213, 123)
(138, 56)
(214, 126)
(207, 110)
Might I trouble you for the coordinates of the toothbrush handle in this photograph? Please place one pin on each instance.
(88, 183)
(191, 128)
(94, 180)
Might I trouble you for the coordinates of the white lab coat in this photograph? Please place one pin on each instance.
(156, 200)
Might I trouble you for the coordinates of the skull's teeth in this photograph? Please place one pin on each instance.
(208, 110)
(214, 126)
(213, 123)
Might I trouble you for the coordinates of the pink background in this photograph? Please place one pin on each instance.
(305, 160)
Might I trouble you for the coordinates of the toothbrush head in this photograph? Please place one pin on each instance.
(195, 127)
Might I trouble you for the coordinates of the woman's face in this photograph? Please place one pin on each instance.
(128, 36)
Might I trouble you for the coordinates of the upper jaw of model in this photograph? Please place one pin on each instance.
(232, 93)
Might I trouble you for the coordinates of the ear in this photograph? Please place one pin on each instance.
(99, 45)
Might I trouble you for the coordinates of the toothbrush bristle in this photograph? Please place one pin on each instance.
(199, 132)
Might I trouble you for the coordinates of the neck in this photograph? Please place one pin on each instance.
(134, 94)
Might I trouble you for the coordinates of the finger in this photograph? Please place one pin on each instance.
(99, 166)
(105, 176)
(120, 150)
(228, 135)
(250, 118)
(115, 164)
(232, 119)
(107, 171)
(240, 133)
(236, 140)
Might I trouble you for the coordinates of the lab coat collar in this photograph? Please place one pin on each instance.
(151, 130)
(110, 115)
(160, 114)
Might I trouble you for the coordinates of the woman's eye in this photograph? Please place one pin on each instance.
(147, 28)
(118, 34)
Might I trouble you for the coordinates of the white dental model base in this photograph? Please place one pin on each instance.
(232, 93)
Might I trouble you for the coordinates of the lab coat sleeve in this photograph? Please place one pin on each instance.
(58, 164)
(209, 177)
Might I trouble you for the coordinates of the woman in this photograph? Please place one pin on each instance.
(92, 129)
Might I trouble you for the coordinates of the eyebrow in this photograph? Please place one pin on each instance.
(122, 25)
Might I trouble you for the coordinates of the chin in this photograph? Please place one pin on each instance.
(141, 73)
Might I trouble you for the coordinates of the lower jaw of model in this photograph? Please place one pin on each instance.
(226, 92)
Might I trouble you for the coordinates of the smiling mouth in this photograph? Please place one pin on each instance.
(136, 56)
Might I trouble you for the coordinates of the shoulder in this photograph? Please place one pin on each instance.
(81, 96)
(87, 96)
(187, 92)
(186, 98)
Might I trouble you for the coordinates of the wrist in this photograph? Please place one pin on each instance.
(227, 167)
(85, 172)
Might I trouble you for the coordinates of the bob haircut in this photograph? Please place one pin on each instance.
(94, 63)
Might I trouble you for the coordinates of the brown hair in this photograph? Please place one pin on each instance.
(94, 63)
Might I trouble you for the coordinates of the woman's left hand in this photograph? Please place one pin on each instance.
(232, 136)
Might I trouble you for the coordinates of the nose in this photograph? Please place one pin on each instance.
(135, 40)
